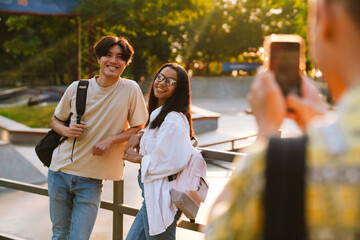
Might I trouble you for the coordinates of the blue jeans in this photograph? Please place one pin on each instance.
(140, 228)
(74, 204)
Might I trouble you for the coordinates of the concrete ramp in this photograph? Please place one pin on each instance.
(204, 120)
(14, 166)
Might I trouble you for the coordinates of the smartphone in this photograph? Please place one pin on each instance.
(284, 54)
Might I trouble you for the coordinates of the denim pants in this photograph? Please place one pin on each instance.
(140, 228)
(74, 204)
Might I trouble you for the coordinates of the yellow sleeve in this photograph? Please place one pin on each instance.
(238, 213)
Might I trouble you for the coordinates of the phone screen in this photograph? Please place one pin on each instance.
(284, 62)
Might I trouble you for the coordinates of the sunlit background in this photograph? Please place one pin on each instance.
(202, 35)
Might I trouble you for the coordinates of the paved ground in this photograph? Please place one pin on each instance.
(26, 215)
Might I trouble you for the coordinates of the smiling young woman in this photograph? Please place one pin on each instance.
(165, 149)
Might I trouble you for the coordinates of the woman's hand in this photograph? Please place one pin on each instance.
(132, 156)
(133, 141)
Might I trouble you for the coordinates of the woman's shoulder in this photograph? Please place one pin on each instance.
(177, 117)
(176, 122)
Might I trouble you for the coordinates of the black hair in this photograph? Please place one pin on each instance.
(180, 101)
(353, 9)
(105, 43)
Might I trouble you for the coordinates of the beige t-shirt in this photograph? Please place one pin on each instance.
(109, 111)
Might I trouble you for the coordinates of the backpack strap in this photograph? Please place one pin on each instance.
(284, 200)
(81, 94)
(81, 99)
(174, 176)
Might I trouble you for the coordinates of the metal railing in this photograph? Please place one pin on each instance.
(232, 141)
(117, 206)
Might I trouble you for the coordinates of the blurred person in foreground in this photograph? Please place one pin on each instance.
(332, 193)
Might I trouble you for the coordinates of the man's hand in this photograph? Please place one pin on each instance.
(133, 141)
(101, 147)
(267, 103)
(132, 156)
(75, 130)
(307, 106)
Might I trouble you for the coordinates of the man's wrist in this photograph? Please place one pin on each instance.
(65, 131)
(140, 158)
(113, 139)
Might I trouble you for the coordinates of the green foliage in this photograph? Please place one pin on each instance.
(40, 44)
(185, 31)
(232, 27)
(33, 116)
(215, 68)
(151, 25)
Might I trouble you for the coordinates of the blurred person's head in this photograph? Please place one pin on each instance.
(334, 35)
(171, 90)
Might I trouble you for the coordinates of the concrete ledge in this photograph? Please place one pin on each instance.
(199, 113)
(4, 236)
(26, 137)
(204, 120)
(17, 133)
(12, 92)
(2, 143)
(9, 124)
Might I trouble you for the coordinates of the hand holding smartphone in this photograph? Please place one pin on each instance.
(284, 54)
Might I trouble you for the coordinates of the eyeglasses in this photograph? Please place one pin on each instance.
(168, 80)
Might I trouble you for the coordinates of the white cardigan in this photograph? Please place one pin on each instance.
(166, 151)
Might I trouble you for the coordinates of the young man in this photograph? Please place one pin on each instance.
(332, 206)
(112, 103)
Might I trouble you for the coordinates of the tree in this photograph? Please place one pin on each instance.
(39, 44)
(149, 24)
(185, 31)
(224, 33)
